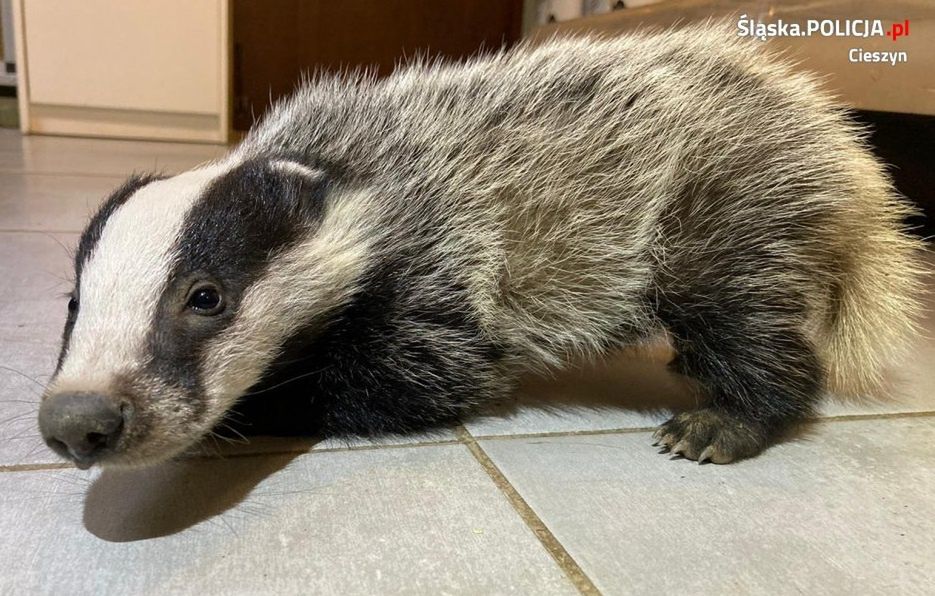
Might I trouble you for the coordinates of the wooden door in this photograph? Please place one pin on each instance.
(276, 41)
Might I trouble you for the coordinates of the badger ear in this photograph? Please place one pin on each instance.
(304, 187)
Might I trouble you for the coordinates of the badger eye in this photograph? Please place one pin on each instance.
(206, 300)
(72, 305)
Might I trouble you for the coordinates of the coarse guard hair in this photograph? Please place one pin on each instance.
(396, 252)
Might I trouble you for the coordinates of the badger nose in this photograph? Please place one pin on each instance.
(80, 426)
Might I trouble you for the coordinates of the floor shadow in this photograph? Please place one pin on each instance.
(139, 504)
(638, 380)
(259, 437)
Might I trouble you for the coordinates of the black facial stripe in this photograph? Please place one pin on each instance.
(88, 242)
(92, 233)
(369, 368)
(66, 338)
(241, 221)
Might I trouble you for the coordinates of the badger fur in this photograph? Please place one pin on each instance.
(406, 247)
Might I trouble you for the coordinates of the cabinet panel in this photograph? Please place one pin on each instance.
(161, 56)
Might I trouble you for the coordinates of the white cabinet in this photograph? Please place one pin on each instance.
(125, 68)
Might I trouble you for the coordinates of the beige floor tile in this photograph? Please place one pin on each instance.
(34, 269)
(98, 157)
(42, 202)
(845, 509)
(25, 367)
(421, 520)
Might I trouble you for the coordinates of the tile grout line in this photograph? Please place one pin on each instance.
(871, 416)
(111, 175)
(287, 451)
(569, 433)
(4, 172)
(243, 454)
(559, 554)
(45, 232)
(642, 429)
(460, 440)
(34, 467)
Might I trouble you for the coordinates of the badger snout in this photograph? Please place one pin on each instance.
(83, 427)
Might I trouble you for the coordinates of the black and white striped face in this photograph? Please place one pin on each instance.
(186, 289)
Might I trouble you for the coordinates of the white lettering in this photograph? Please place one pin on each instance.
(858, 55)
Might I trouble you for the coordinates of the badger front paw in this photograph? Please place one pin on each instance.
(712, 435)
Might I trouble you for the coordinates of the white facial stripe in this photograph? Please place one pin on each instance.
(123, 279)
(308, 280)
(291, 167)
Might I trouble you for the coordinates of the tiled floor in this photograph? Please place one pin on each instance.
(557, 493)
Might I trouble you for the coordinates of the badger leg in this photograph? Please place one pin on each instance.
(754, 362)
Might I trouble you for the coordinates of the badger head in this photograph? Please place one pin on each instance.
(186, 289)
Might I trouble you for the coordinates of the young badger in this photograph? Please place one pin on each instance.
(405, 248)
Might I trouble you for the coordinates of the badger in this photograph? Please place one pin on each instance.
(399, 251)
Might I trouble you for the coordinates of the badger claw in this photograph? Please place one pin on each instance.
(710, 435)
(680, 448)
(668, 440)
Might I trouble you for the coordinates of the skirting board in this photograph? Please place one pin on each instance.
(128, 124)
